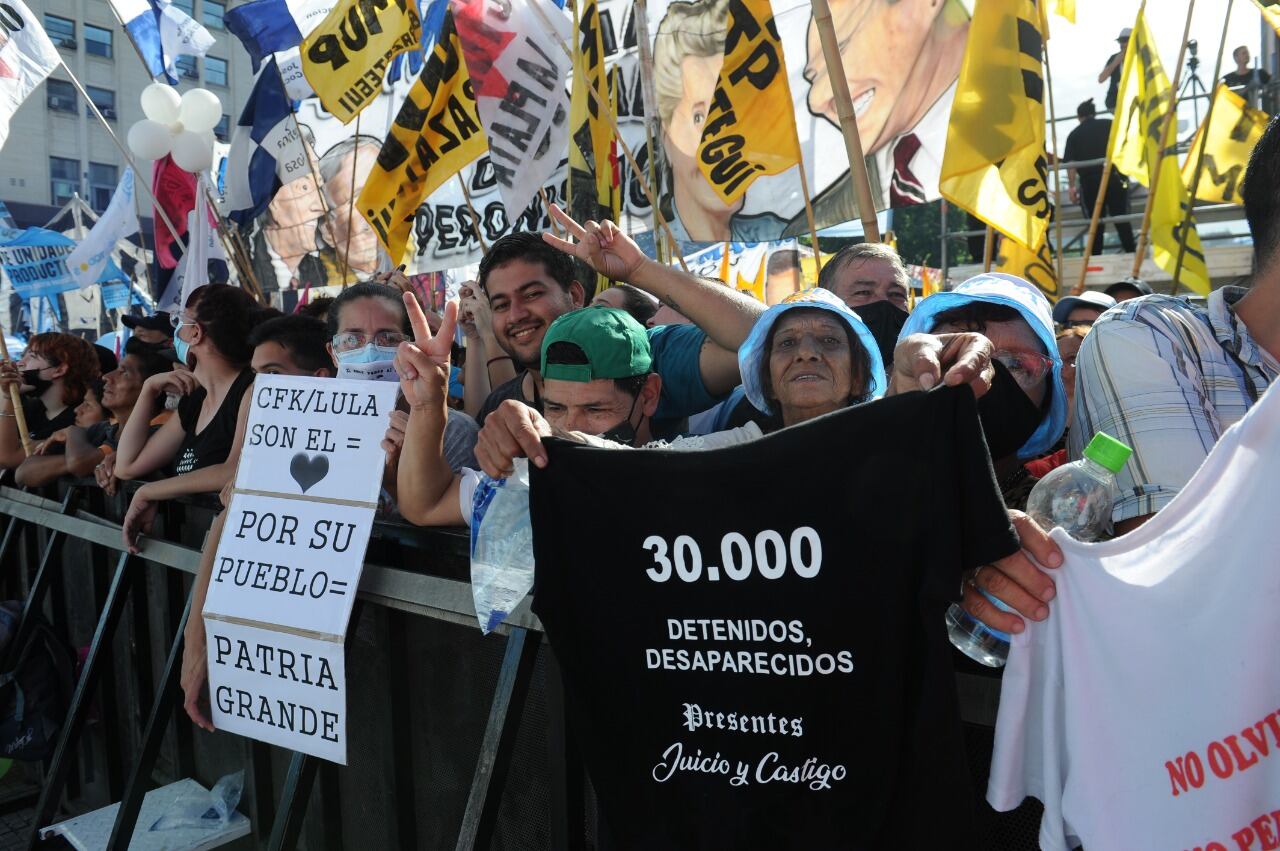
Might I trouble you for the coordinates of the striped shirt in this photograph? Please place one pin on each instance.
(1167, 378)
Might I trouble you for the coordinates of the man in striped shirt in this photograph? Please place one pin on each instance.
(1168, 378)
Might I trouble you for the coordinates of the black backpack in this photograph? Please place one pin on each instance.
(35, 694)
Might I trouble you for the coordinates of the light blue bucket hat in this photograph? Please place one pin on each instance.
(1007, 291)
(752, 354)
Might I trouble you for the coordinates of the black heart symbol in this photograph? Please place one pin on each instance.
(307, 471)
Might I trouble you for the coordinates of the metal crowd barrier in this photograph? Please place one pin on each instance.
(455, 740)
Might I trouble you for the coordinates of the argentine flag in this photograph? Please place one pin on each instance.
(162, 32)
(266, 149)
(91, 262)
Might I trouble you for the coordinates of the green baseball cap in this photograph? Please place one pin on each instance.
(616, 345)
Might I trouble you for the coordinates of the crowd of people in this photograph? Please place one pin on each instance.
(663, 358)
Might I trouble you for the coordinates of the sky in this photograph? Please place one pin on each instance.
(1079, 52)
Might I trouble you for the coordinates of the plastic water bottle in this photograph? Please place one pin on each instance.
(501, 546)
(1076, 496)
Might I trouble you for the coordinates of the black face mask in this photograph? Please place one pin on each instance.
(1008, 417)
(31, 378)
(624, 432)
(884, 320)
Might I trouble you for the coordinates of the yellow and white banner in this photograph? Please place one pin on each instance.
(435, 134)
(346, 57)
(1233, 130)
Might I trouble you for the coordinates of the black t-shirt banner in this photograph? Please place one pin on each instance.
(753, 640)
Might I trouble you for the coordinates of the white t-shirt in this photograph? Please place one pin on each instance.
(1144, 711)
(470, 479)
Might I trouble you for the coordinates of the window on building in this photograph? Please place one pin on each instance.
(211, 12)
(188, 6)
(60, 96)
(102, 184)
(104, 100)
(97, 41)
(215, 71)
(188, 68)
(223, 128)
(61, 31)
(64, 180)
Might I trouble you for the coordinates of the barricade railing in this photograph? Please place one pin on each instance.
(476, 751)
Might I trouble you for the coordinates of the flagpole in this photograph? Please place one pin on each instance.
(848, 120)
(127, 158)
(351, 205)
(988, 248)
(640, 15)
(475, 217)
(1057, 164)
(1093, 225)
(808, 202)
(1170, 120)
(1204, 141)
(306, 149)
(626, 149)
(231, 246)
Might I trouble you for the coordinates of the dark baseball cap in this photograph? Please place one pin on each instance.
(155, 322)
(616, 345)
(1136, 284)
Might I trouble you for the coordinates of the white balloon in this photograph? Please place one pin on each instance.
(150, 140)
(160, 103)
(192, 152)
(201, 110)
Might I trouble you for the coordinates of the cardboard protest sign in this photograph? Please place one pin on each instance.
(276, 687)
(316, 437)
(289, 560)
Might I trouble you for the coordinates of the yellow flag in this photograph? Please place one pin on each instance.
(1168, 212)
(346, 57)
(1235, 130)
(1271, 11)
(1142, 108)
(750, 127)
(1037, 266)
(1065, 9)
(994, 165)
(590, 174)
(435, 134)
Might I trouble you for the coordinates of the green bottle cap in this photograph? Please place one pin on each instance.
(1107, 451)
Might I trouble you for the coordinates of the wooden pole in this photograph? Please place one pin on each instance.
(1093, 227)
(1204, 141)
(848, 120)
(808, 202)
(988, 249)
(1170, 120)
(640, 14)
(127, 158)
(351, 205)
(622, 143)
(475, 217)
(1057, 165)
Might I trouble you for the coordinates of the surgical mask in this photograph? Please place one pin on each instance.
(180, 346)
(31, 378)
(884, 320)
(369, 353)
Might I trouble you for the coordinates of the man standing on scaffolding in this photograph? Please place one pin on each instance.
(1089, 142)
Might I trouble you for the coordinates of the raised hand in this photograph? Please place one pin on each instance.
(600, 245)
(423, 365)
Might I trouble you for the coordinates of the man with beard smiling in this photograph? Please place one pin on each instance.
(530, 284)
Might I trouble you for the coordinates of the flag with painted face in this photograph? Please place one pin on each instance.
(995, 165)
(26, 58)
(517, 55)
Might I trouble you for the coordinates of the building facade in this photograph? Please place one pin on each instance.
(56, 145)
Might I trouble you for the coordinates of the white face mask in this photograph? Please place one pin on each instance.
(383, 370)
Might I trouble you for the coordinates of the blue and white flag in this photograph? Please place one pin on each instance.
(91, 257)
(162, 32)
(266, 149)
(269, 26)
(26, 58)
